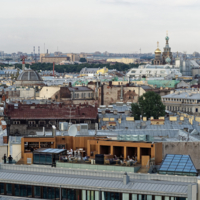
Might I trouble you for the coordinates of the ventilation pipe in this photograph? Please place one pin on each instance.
(44, 131)
(53, 131)
(125, 178)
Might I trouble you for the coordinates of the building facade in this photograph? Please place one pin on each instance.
(76, 184)
(185, 100)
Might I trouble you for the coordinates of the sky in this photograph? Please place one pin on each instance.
(118, 26)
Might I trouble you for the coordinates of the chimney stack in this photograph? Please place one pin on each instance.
(125, 178)
(53, 131)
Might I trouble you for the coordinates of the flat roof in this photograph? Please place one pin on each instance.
(90, 180)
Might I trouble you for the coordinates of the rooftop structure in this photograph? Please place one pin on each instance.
(154, 71)
(78, 184)
(178, 165)
(29, 78)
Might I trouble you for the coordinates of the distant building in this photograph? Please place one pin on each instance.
(121, 60)
(47, 58)
(93, 71)
(110, 94)
(26, 119)
(184, 100)
(165, 71)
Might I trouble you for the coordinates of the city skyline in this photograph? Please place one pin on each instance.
(118, 26)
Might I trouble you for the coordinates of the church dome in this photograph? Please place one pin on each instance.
(166, 38)
(158, 51)
(168, 60)
(29, 78)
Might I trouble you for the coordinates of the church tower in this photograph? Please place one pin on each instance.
(167, 54)
(158, 58)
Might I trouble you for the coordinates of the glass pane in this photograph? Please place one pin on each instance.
(134, 196)
(51, 193)
(16, 190)
(166, 198)
(64, 194)
(149, 197)
(36, 158)
(22, 190)
(48, 158)
(9, 189)
(29, 190)
(37, 191)
(112, 196)
(88, 195)
(78, 197)
(1, 188)
(92, 195)
(83, 195)
(158, 198)
(44, 192)
(57, 193)
(117, 196)
(108, 196)
(142, 197)
(42, 158)
(70, 194)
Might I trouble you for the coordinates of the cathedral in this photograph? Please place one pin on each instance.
(166, 56)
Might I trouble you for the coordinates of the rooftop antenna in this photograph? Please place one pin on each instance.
(44, 47)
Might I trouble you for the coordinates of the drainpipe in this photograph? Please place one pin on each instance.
(121, 98)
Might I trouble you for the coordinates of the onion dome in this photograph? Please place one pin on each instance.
(168, 60)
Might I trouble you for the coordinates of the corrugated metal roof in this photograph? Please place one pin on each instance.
(136, 185)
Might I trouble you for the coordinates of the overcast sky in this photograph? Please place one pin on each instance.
(120, 26)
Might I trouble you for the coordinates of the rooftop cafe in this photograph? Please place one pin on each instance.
(95, 151)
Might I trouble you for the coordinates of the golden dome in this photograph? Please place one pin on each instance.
(158, 51)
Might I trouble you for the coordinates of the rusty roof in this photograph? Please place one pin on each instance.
(51, 111)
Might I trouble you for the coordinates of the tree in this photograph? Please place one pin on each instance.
(149, 104)
(82, 60)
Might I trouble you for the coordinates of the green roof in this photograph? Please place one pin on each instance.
(163, 83)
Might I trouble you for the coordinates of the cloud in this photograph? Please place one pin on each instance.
(156, 2)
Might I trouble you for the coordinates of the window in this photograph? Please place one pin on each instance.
(9, 189)
(1, 188)
(89, 95)
(17, 190)
(196, 109)
(37, 192)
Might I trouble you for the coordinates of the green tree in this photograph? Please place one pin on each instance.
(149, 104)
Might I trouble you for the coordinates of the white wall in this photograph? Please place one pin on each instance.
(3, 150)
(48, 92)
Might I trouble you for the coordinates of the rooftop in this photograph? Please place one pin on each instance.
(95, 180)
(51, 111)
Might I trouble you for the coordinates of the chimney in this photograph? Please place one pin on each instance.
(125, 178)
(53, 131)
(110, 83)
(70, 84)
(47, 51)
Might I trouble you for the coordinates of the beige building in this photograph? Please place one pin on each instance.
(122, 60)
(46, 58)
(48, 92)
(110, 94)
(184, 100)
